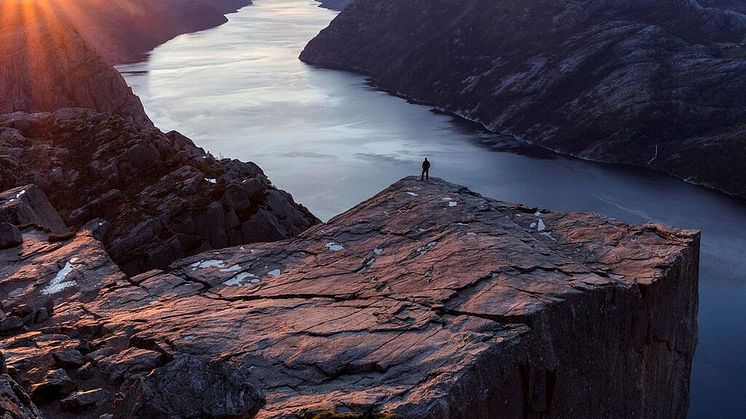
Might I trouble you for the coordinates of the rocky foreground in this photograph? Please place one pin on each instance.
(648, 83)
(150, 197)
(426, 301)
(46, 65)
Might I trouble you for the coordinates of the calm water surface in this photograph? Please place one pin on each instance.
(331, 140)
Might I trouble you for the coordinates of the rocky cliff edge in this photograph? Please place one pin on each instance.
(426, 301)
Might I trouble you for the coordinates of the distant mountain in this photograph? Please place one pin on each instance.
(45, 65)
(655, 83)
(124, 30)
(334, 4)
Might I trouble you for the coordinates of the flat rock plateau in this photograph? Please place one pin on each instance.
(426, 301)
(655, 84)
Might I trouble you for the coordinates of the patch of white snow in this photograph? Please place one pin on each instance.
(59, 282)
(242, 279)
(334, 247)
(233, 268)
(212, 263)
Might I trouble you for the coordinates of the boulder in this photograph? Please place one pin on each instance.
(129, 364)
(28, 205)
(189, 387)
(81, 400)
(10, 324)
(55, 384)
(10, 236)
(68, 358)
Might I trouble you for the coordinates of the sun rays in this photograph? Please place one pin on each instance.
(37, 40)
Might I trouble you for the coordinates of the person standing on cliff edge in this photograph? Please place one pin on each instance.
(425, 170)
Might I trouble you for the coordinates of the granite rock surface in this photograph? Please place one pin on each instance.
(426, 301)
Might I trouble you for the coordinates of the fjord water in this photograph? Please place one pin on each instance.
(331, 140)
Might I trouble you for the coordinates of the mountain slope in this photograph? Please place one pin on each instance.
(153, 197)
(46, 66)
(123, 30)
(655, 83)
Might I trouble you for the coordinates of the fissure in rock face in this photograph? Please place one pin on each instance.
(405, 305)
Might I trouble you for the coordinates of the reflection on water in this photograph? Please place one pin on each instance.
(331, 140)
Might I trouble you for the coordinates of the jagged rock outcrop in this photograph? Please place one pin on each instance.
(14, 402)
(647, 83)
(46, 66)
(189, 387)
(27, 204)
(426, 301)
(150, 197)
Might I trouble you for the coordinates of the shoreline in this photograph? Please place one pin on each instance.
(371, 81)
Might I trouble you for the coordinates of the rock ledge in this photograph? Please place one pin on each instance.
(426, 301)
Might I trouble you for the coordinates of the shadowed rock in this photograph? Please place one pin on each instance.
(28, 205)
(10, 236)
(334, 4)
(81, 400)
(151, 197)
(655, 84)
(68, 358)
(56, 383)
(189, 387)
(14, 402)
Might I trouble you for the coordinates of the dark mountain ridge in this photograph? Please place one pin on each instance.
(646, 83)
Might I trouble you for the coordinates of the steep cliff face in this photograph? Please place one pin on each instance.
(426, 301)
(646, 83)
(154, 197)
(46, 65)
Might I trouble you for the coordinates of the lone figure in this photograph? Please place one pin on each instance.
(425, 170)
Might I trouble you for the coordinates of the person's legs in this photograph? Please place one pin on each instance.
(422, 176)
(427, 174)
